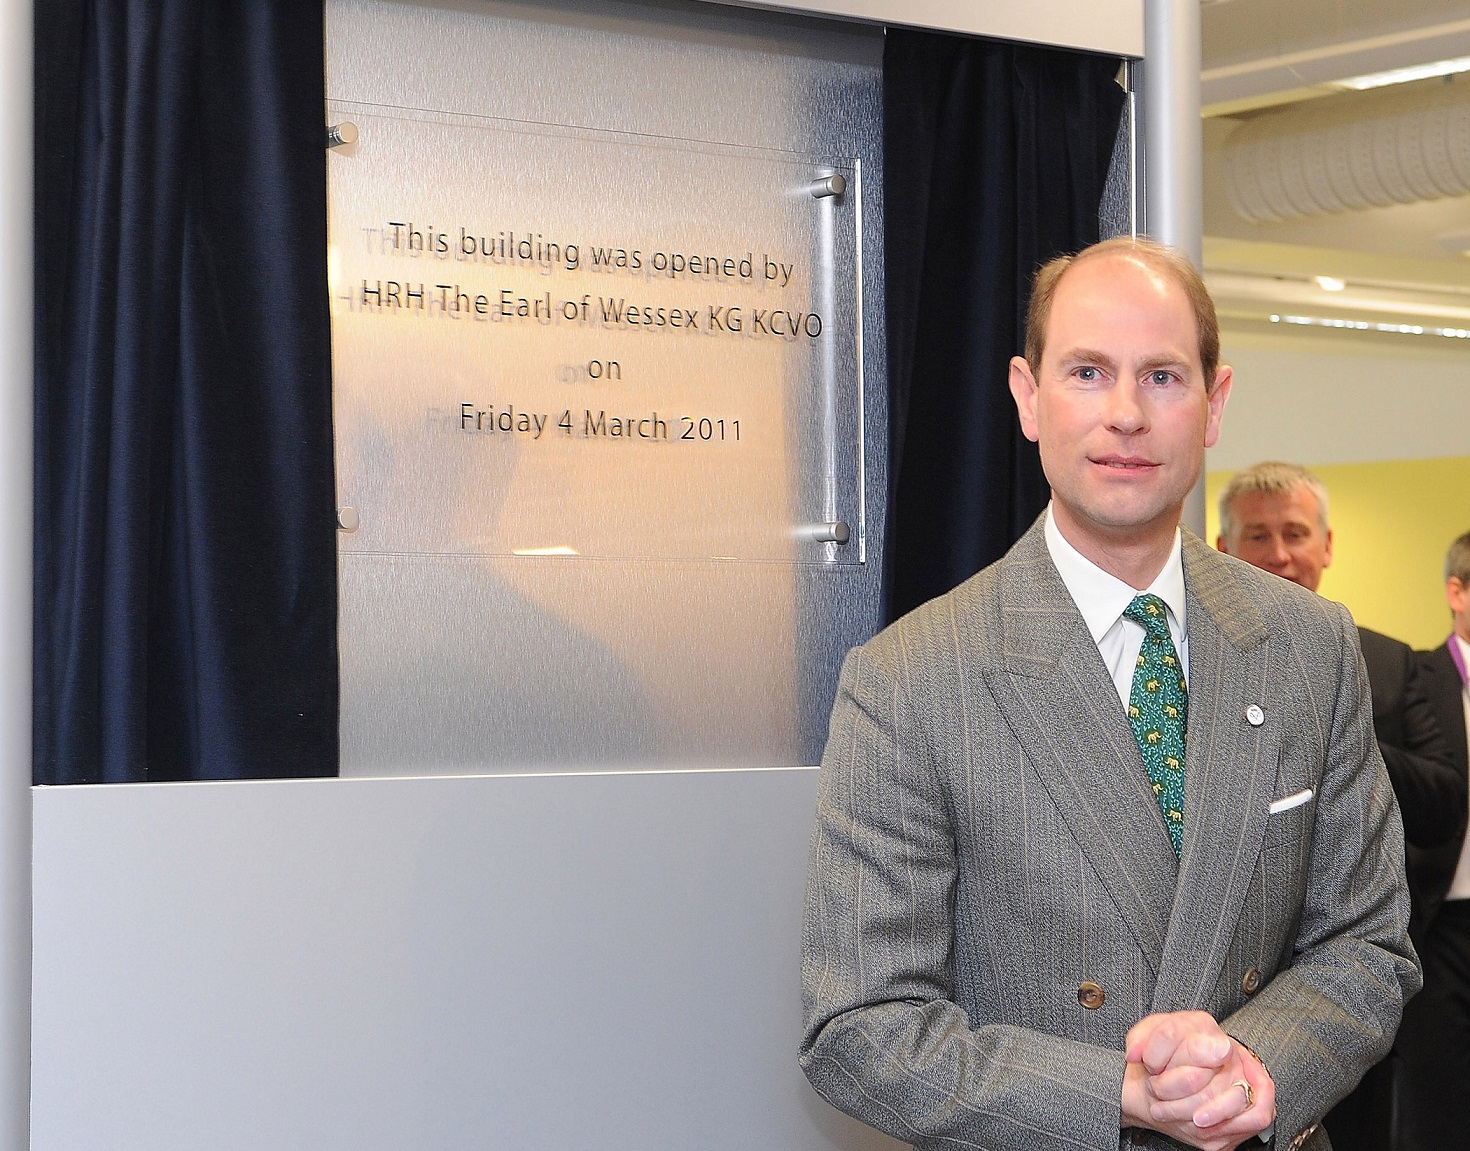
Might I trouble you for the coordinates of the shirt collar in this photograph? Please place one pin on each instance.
(1100, 596)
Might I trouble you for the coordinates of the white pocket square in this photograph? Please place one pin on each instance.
(1287, 802)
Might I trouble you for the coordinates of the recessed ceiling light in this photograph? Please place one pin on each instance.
(1330, 283)
(1372, 326)
(1405, 75)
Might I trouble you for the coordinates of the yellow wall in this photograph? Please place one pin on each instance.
(1391, 524)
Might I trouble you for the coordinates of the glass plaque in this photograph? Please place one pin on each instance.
(599, 443)
(553, 341)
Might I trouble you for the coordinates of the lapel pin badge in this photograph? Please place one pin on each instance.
(1255, 715)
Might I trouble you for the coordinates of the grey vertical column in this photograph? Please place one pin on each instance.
(1173, 147)
(16, 455)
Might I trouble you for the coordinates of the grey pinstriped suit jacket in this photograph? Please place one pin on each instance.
(987, 841)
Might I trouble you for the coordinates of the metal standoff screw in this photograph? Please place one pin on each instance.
(343, 133)
(833, 185)
(836, 532)
(347, 519)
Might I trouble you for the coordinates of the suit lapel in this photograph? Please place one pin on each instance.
(1061, 706)
(1230, 774)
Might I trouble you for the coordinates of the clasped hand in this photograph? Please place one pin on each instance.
(1184, 1079)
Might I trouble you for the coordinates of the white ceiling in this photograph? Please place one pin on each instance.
(1258, 56)
(1252, 48)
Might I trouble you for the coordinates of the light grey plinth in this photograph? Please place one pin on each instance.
(559, 961)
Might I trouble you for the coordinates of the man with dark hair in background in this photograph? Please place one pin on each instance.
(1434, 1042)
(1105, 854)
(1275, 516)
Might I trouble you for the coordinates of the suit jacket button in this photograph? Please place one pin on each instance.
(1091, 996)
(1250, 983)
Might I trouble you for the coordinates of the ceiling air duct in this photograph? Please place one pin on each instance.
(1396, 146)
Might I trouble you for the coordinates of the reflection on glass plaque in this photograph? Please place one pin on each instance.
(554, 342)
(599, 443)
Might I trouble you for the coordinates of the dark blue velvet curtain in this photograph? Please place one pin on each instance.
(185, 540)
(996, 156)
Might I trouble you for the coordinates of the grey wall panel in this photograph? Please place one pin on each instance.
(1101, 26)
(686, 619)
(528, 962)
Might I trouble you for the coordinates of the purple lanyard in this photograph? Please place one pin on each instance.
(1459, 657)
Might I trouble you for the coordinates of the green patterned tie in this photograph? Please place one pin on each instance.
(1158, 709)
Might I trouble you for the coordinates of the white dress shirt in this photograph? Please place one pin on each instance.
(1102, 598)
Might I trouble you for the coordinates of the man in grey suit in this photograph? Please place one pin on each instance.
(1058, 897)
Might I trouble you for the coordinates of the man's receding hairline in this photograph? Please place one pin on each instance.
(1135, 255)
(1158, 266)
(1157, 270)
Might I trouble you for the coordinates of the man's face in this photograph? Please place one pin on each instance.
(1280, 532)
(1119, 407)
(1457, 592)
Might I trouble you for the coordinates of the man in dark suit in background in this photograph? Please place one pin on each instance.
(1105, 855)
(1434, 1043)
(1275, 516)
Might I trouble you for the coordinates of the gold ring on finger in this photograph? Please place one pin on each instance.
(1250, 1095)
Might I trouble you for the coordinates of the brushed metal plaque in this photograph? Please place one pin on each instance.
(555, 341)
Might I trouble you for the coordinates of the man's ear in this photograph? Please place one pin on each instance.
(1456, 594)
(1023, 391)
(1218, 395)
